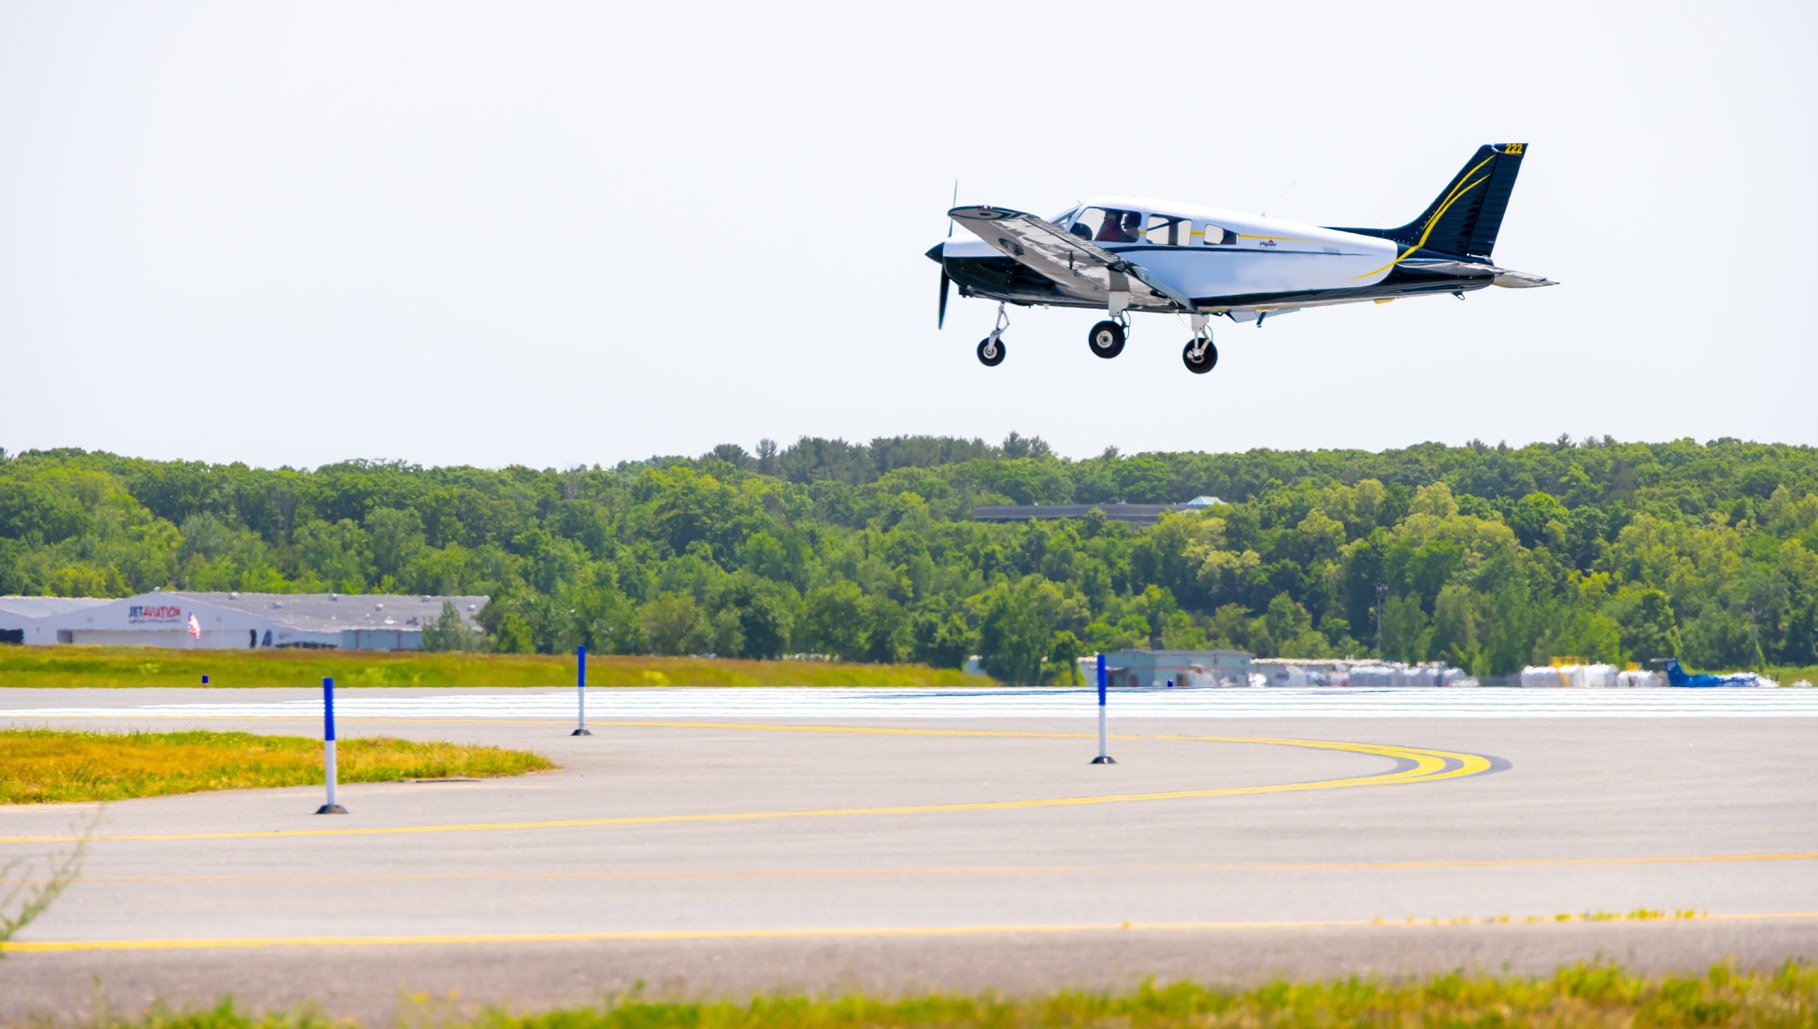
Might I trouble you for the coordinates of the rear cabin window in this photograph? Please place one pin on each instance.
(1166, 231)
(1215, 236)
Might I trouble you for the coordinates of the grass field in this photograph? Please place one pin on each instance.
(40, 766)
(1593, 995)
(1786, 675)
(140, 666)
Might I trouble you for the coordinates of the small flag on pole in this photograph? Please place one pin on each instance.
(195, 628)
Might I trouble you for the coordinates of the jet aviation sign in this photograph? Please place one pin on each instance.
(154, 613)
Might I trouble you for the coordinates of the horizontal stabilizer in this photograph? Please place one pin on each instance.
(1502, 276)
(1521, 280)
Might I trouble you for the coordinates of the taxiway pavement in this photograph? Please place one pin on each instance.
(808, 840)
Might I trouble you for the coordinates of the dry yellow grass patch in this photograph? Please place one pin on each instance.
(43, 765)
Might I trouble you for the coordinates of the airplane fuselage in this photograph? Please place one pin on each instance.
(1124, 254)
(1227, 263)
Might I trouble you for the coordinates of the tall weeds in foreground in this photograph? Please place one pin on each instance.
(1580, 995)
(23, 897)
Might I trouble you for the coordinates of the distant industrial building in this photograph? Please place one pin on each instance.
(1187, 669)
(230, 621)
(1135, 514)
(1351, 673)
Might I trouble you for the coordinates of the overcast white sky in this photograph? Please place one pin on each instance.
(565, 234)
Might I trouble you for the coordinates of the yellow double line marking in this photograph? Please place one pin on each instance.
(877, 932)
(1424, 765)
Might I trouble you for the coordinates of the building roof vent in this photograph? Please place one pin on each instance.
(425, 598)
(277, 604)
(233, 596)
(334, 596)
(378, 607)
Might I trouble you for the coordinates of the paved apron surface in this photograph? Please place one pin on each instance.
(936, 839)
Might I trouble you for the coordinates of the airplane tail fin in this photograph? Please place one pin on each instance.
(1464, 219)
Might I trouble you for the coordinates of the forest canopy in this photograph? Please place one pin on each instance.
(1489, 557)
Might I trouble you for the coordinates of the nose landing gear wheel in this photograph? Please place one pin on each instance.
(1204, 360)
(1106, 339)
(990, 352)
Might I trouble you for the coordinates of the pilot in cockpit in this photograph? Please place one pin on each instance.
(1111, 231)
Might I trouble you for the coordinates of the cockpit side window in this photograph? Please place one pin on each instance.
(1107, 225)
(1167, 231)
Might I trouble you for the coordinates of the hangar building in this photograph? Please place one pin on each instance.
(226, 621)
(1135, 514)
(17, 612)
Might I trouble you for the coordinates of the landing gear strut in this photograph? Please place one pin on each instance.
(991, 348)
(1200, 356)
(1107, 337)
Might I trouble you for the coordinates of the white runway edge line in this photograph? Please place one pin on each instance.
(654, 704)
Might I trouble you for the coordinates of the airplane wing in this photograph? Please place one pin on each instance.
(1080, 267)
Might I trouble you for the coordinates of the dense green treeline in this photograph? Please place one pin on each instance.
(1490, 557)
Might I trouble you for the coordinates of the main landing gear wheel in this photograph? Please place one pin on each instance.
(1200, 356)
(991, 348)
(1106, 339)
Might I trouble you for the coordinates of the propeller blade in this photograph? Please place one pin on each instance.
(945, 282)
(950, 207)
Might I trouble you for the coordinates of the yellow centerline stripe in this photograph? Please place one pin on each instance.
(245, 942)
(1427, 766)
(955, 870)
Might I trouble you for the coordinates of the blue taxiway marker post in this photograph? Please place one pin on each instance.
(328, 748)
(1104, 756)
(580, 692)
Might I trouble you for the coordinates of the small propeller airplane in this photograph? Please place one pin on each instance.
(1123, 254)
(1678, 676)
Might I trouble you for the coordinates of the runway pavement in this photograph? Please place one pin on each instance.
(730, 841)
(942, 703)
